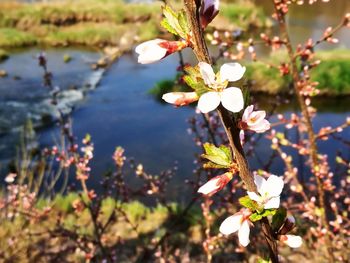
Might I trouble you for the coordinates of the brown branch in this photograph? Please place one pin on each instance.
(232, 131)
(308, 123)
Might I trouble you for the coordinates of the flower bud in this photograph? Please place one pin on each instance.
(215, 184)
(154, 50)
(209, 10)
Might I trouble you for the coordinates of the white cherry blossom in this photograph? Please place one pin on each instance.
(254, 120)
(238, 222)
(231, 98)
(269, 190)
(292, 240)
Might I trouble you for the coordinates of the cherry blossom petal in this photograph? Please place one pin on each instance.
(232, 99)
(256, 117)
(274, 202)
(273, 186)
(241, 136)
(210, 186)
(180, 98)
(231, 224)
(231, 72)
(254, 196)
(259, 182)
(150, 51)
(207, 73)
(243, 233)
(209, 101)
(261, 127)
(247, 113)
(293, 241)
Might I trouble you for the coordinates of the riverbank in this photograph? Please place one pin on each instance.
(101, 23)
(332, 74)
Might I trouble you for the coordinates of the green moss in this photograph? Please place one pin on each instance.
(87, 34)
(332, 74)
(10, 37)
(3, 55)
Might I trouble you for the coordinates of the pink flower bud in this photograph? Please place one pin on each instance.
(209, 10)
(154, 50)
(180, 98)
(215, 184)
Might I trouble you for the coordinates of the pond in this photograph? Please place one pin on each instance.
(120, 112)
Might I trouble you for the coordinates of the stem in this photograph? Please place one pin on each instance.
(232, 131)
(308, 123)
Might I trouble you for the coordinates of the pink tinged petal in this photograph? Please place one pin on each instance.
(256, 116)
(210, 186)
(259, 182)
(208, 11)
(231, 72)
(273, 202)
(254, 196)
(150, 51)
(247, 113)
(274, 186)
(261, 127)
(241, 136)
(180, 98)
(232, 99)
(209, 101)
(243, 233)
(293, 241)
(231, 224)
(207, 73)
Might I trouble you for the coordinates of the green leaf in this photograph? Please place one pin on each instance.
(211, 165)
(183, 22)
(195, 80)
(218, 155)
(258, 216)
(165, 24)
(279, 218)
(175, 22)
(248, 203)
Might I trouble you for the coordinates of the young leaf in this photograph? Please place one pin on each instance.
(278, 218)
(258, 216)
(218, 155)
(175, 22)
(248, 203)
(165, 24)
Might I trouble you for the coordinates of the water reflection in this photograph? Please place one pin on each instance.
(311, 20)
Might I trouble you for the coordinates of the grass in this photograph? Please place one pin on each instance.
(3, 55)
(333, 74)
(11, 37)
(97, 22)
(245, 14)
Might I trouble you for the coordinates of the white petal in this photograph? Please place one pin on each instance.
(254, 196)
(259, 182)
(209, 187)
(261, 127)
(231, 224)
(247, 113)
(209, 101)
(243, 233)
(232, 99)
(274, 202)
(273, 186)
(150, 51)
(207, 73)
(180, 98)
(293, 241)
(231, 72)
